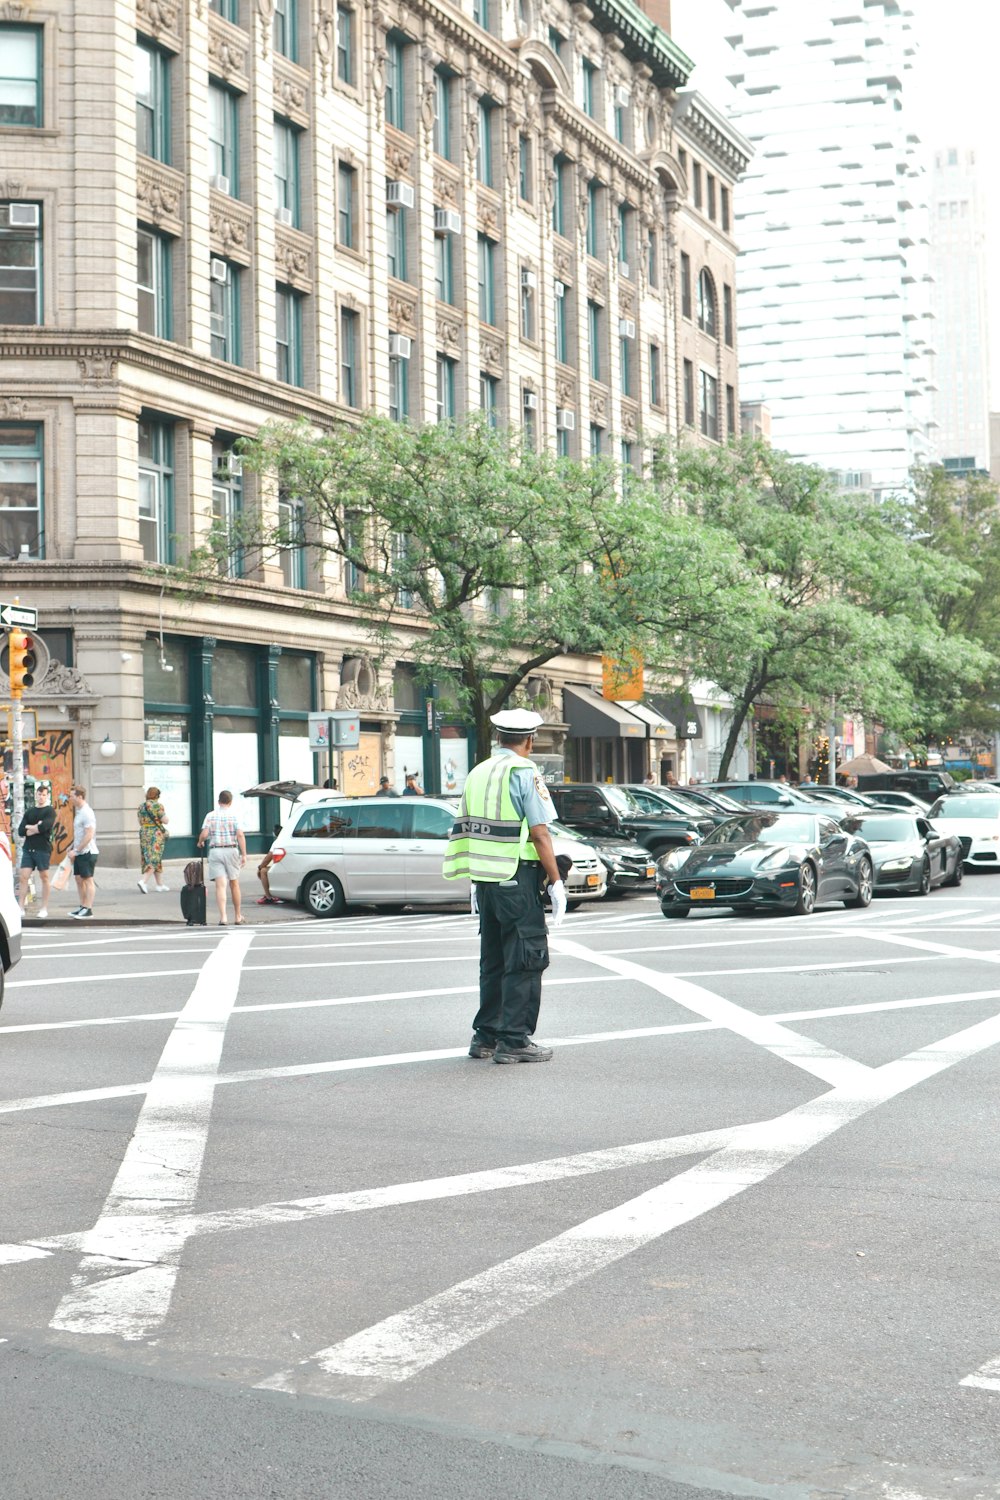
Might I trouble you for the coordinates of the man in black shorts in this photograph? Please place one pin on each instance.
(35, 832)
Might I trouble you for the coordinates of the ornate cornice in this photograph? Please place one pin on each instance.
(291, 90)
(230, 226)
(293, 257)
(228, 49)
(399, 149)
(449, 333)
(491, 350)
(159, 195)
(402, 312)
(702, 123)
(160, 19)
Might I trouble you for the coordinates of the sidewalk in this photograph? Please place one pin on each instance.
(120, 903)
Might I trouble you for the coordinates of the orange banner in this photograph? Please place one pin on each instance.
(622, 681)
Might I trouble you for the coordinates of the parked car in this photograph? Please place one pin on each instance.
(674, 800)
(905, 801)
(388, 851)
(909, 852)
(716, 800)
(625, 866)
(975, 819)
(772, 859)
(764, 794)
(927, 785)
(10, 915)
(596, 808)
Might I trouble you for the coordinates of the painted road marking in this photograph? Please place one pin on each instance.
(986, 1378)
(161, 1168)
(370, 1362)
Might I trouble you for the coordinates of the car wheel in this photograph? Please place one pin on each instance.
(573, 905)
(670, 910)
(865, 885)
(393, 909)
(959, 873)
(3, 979)
(807, 891)
(924, 888)
(323, 896)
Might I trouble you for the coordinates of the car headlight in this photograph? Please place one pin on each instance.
(672, 861)
(772, 861)
(896, 864)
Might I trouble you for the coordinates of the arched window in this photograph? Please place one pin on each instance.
(706, 304)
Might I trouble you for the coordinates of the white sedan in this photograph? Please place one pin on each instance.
(975, 818)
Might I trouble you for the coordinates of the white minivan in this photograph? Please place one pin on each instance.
(10, 913)
(386, 851)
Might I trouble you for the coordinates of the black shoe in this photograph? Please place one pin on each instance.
(482, 1046)
(529, 1052)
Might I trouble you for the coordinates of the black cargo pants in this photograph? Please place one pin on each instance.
(513, 952)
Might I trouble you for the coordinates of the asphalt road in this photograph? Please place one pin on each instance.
(267, 1231)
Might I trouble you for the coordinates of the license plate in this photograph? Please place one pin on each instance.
(593, 880)
(702, 893)
(650, 871)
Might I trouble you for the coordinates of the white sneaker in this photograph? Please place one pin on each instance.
(144, 888)
(163, 887)
(42, 914)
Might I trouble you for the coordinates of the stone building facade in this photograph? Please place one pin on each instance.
(217, 214)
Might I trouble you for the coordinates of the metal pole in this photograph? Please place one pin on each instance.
(831, 765)
(17, 748)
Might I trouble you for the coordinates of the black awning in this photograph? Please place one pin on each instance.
(590, 716)
(682, 712)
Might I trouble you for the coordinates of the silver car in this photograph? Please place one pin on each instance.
(387, 851)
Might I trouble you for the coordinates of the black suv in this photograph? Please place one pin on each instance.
(593, 808)
(927, 785)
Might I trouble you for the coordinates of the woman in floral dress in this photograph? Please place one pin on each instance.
(152, 838)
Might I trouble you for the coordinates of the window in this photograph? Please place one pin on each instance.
(594, 312)
(285, 29)
(527, 304)
(625, 365)
(593, 216)
(557, 42)
(288, 335)
(395, 242)
(706, 304)
(487, 292)
(688, 393)
(562, 442)
(621, 117)
(228, 9)
(696, 180)
(20, 491)
(525, 185)
(347, 206)
(444, 268)
(724, 208)
(727, 313)
(596, 440)
(562, 324)
(588, 96)
(730, 411)
(345, 44)
(481, 13)
(441, 134)
(152, 253)
(152, 102)
(685, 284)
(652, 258)
(350, 356)
(445, 388)
(709, 405)
(292, 530)
(224, 311)
(489, 393)
(626, 454)
(286, 171)
(484, 147)
(655, 376)
(21, 76)
(156, 489)
(710, 194)
(395, 80)
(227, 508)
(20, 263)
(529, 418)
(399, 388)
(223, 140)
(561, 196)
(624, 239)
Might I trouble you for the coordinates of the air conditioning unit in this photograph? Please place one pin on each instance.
(560, 288)
(22, 215)
(531, 401)
(624, 269)
(400, 346)
(447, 221)
(622, 96)
(284, 215)
(234, 463)
(565, 419)
(219, 270)
(220, 183)
(528, 279)
(626, 328)
(399, 194)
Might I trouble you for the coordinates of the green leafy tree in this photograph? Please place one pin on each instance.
(845, 605)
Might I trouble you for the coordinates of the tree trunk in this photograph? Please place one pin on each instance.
(740, 712)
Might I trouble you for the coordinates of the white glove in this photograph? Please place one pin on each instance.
(557, 895)
(474, 903)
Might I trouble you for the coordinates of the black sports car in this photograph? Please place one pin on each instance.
(909, 853)
(782, 861)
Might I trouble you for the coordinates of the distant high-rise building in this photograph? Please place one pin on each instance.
(834, 279)
(958, 260)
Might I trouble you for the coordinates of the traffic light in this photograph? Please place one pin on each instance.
(21, 661)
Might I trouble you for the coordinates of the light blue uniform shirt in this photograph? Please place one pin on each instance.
(528, 793)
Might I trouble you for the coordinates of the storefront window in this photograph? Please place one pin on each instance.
(295, 683)
(236, 759)
(165, 671)
(167, 764)
(234, 676)
(295, 759)
(409, 753)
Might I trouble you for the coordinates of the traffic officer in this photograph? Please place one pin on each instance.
(501, 842)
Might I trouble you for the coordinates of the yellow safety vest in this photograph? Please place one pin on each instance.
(489, 839)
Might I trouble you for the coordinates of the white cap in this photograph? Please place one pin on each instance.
(517, 720)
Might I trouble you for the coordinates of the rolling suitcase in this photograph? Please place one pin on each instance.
(193, 894)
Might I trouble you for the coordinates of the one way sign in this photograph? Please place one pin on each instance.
(17, 614)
